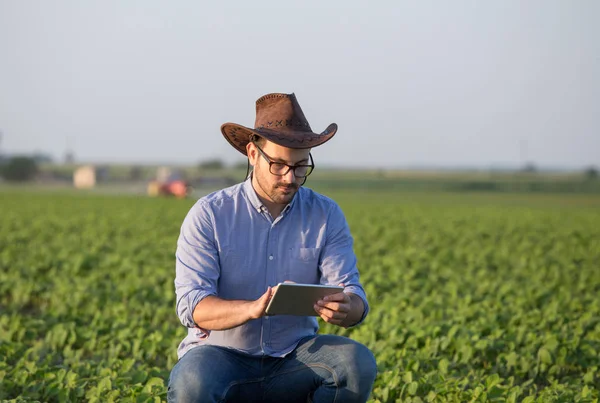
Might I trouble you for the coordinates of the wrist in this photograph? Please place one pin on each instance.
(252, 310)
(357, 309)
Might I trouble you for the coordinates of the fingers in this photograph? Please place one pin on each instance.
(332, 312)
(267, 295)
(329, 316)
(343, 307)
(340, 296)
(334, 308)
(259, 306)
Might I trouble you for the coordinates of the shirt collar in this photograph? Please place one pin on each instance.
(252, 196)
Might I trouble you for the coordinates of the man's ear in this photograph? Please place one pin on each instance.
(252, 153)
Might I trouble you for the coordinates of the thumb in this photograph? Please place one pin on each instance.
(259, 305)
(266, 296)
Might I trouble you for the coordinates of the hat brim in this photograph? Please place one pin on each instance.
(239, 136)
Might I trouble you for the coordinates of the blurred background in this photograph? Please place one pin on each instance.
(129, 96)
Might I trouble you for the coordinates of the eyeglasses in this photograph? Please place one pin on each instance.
(281, 169)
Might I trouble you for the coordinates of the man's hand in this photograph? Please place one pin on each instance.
(340, 309)
(214, 313)
(257, 307)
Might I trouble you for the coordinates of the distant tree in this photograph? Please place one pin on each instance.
(69, 157)
(19, 169)
(41, 158)
(529, 168)
(591, 173)
(136, 173)
(212, 164)
(241, 165)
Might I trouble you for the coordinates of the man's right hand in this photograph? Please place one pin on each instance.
(214, 313)
(258, 307)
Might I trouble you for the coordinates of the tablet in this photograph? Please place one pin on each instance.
(299, 299)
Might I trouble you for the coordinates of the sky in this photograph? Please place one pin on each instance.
(409, 83)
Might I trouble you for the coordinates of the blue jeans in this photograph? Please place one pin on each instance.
(326, 368)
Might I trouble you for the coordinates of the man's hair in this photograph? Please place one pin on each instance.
(261, 141)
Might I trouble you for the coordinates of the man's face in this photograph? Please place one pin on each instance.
(278, 189)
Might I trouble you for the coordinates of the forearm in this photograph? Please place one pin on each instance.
(213, 313)
(357, 308)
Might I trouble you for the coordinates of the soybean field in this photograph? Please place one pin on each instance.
(474, 297)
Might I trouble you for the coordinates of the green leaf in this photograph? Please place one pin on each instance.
(71, 380)
(412, 388)
(551, 344)
(589, 377)
(104, 384)
(585, 391)
(511, 359)
(443, 366)
(143, 397)
(431, 396)
(544, 356)
(139, 376)
(153, 382)
(492, 381)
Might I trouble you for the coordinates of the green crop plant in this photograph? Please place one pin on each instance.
(474, 298)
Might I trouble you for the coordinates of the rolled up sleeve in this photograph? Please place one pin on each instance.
(197, 263)
(338, 261)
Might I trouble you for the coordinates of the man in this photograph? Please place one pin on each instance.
(235, 244)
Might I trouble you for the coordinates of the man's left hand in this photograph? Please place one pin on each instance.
(335, 308)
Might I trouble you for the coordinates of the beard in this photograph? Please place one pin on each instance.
(283, 193)
(279, 192)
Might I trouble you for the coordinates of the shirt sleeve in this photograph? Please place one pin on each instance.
(196, 264)
(338, 261)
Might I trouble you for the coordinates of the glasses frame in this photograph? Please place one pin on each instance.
(289, 167)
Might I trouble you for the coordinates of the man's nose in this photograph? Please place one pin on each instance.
(289, 177)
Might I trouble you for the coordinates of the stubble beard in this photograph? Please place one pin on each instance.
(280, 193)
(283, 193)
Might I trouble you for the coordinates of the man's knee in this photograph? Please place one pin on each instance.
(187, 383)
(351, 365)
(193, 379)
(355, 362)
(360, 362)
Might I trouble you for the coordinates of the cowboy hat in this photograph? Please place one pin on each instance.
(280, 120)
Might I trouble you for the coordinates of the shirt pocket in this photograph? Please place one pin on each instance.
(306, 254)
(304, 265)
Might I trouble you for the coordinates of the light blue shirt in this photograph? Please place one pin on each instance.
(232, 248)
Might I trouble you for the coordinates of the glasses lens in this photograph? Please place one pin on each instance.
(278, 169)
(302, 171)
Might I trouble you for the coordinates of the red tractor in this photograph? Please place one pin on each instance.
(178, 188)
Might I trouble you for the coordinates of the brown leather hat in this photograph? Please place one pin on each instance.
(279, 119)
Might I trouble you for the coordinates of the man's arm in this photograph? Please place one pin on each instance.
(338, 265)
(214, 313)
(197, 275)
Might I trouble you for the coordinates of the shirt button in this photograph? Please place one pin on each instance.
(271, 257)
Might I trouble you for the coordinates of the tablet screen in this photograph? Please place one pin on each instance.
(299, 299)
